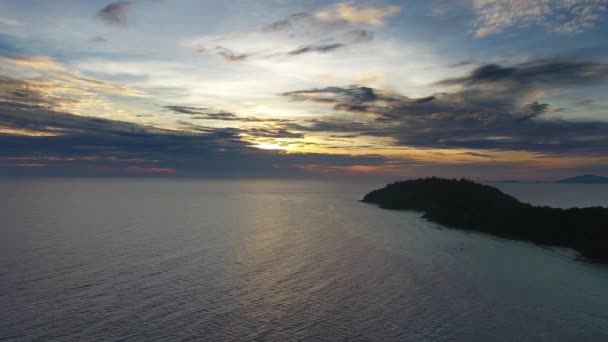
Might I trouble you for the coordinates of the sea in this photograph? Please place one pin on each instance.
(278, 260)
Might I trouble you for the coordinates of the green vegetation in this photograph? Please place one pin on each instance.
(468, 205)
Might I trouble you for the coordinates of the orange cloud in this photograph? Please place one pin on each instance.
(357, 15)
(68, 77)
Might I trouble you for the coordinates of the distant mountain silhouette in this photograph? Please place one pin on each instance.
(586, 179)
(468, 205)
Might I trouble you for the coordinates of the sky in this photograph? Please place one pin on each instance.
(484, 89)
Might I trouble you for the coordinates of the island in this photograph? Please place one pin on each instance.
(469, 205)
(585, 179)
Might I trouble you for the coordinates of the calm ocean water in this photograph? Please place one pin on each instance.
(182, 260)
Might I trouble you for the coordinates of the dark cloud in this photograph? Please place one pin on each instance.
(360, 36)
(476, 154)
(425, 99)
(18, 91)
(37, 139)
(321, 48)
(222, 116)
(352, 94)
(465, 62)
(93, 146)
(44, 120)
(115, 13)
(490, 110)
(231, 55)
(274, 133)
(487, 109)
(226, 53)
(353, 98)
(187, 110)
(203, 113)
(537, 72)
(317, 36)
(99, 39)
(531, 110)
(21, 92)
(288, 23)
(584, 102)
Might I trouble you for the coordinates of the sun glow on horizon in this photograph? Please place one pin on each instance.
(316, 85)
(267, 146)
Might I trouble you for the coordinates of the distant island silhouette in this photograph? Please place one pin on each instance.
(586, 179)
(468, 205)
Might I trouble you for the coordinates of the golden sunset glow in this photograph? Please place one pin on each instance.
(327, 87)
(266, 146)
(303, 170)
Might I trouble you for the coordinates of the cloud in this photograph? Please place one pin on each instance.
(473, 116)
(100, 147)
(203, 113)
(227, 54)
(59, 72)
(546, 72)
(99, 39)
(575, 16)
(532, 110)
(349, 13)
(321, 48)
(352, 98)
(540, 74)
(494, 16)
(187, 110)
(39, 136)
(351, 38)
(561, 16)
(99, 144)
(36, 138)
(288, 50)
(115, 13)
(288, 23)
(296, 35)
(230, 55)
(354, 94)
(490, 109)
(584, 102)
(58, 89)
(465, 62)
(276, 133)
(38, 62)
(17, 91)
(10, 21)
